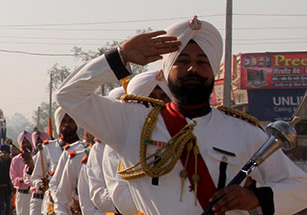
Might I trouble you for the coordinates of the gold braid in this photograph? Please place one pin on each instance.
(130, 97)
(240, 115)
(168, 155)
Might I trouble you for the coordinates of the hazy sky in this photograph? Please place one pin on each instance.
(37, 27)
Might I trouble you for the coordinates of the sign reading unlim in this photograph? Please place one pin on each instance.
(272, 105)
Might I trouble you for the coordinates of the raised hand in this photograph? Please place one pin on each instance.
(146, 48)
(45, 184)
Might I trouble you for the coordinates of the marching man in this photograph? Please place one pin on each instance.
(47, 159)
(185, 142)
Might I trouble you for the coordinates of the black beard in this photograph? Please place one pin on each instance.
(68, 132)
(191, 94)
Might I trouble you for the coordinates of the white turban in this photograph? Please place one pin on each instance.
(144, 83)
(204, 34)
(116, 93)
(58, 117)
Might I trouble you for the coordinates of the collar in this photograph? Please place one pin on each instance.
(191, 111)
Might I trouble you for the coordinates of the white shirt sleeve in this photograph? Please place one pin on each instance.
(117, 187)
(103, 116)
(86, 205)
(37, 174)
(286, 180)
(97, 187)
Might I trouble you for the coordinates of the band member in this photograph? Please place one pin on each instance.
(18, 163)
(47, 160)
(37, 195)
(67, 188)
(176, 156)
(98, 190)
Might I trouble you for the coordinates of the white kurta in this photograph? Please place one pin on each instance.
(120, 125)
(118, 188)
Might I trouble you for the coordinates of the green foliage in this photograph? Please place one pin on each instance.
(59, 73)
(17, 124)
(44, 115)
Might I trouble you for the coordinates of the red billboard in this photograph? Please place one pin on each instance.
(278, 70)
(218, 93)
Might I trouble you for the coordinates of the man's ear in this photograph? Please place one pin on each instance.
(160, 76)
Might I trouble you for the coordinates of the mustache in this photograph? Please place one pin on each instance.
(194, 77)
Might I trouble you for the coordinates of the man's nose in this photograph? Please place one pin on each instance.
(192, 68)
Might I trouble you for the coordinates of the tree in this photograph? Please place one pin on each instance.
(59, 73)
(17, 124)
(43, 116)
(86, 56)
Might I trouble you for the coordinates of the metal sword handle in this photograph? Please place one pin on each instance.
(282, 134)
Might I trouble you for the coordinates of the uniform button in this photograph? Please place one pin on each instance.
(224, 158)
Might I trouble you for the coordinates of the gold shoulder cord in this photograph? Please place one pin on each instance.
(130, 97)
(168, 154)
(240, 115)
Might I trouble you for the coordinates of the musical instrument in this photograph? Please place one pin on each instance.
(282, 134)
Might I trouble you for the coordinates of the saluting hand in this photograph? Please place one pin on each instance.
(234, 197)
(146, 48)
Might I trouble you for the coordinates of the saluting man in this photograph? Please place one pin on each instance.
(185, 142)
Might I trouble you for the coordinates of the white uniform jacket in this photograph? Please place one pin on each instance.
(54, 182)
(118, 188)
(97, 187)
(120, 125)
(67, 186)
(51, 153)
(86, 204)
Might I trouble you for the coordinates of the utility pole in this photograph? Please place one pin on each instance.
(38, 117)
(50, 96)
(50, 131)
(228, 55)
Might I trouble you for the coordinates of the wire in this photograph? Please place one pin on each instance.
(266, 14)
(109, 22)
(37, 54)
(70, 44)
(59, 29)
(56, 38)
(269, 43)
(144, 20)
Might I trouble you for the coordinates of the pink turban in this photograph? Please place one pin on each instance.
(23, 135)
(204, 34)
(42, 135)
(144, 83)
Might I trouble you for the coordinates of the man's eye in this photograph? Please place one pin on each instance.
(203, 62)
(183, 61)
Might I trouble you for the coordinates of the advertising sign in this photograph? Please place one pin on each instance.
(272, 105)
(218, 93)
(284, 70)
